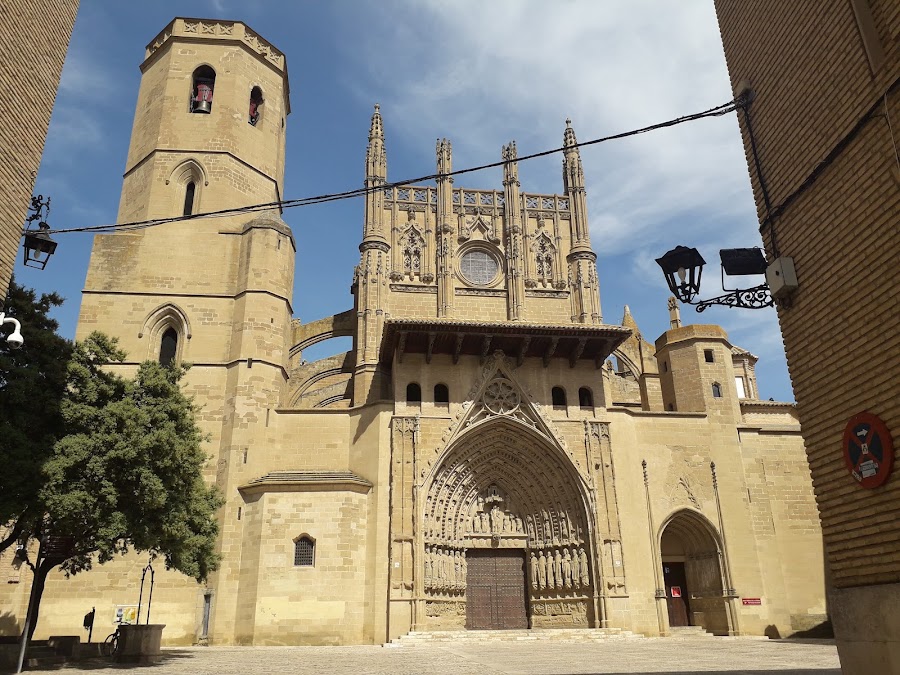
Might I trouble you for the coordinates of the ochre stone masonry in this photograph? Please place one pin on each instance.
(826, 79)
(489, 454)
(35, 38)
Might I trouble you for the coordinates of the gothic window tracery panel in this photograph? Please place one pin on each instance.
(544, 253)
(412, 247)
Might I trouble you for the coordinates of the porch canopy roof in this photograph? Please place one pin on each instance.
(574, 342)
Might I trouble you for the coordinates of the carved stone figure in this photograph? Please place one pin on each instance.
(457, 570)
(567, 569)
(496, 519)
(557, 569)
(442, 575)
(576, 569)
(506, 522)
(542, 571)
(551, 580)
(534, 571)
(483, 517)
(585, 575)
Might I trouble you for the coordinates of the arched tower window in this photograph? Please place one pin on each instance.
(413, 393)
(168, 346)
(304, 552)
(441, 393)
(190, 191)
(204, 81)
(256, 101)
(585, 398)
(717, 390)
(558, 394)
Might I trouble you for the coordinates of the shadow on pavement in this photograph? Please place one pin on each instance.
(169, 656)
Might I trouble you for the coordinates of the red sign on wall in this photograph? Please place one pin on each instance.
(751, 601)
(676, 591)
(868, 450)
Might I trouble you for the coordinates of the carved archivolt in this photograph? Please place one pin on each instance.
(498, 395)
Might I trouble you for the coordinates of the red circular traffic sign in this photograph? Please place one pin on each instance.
(868, 450)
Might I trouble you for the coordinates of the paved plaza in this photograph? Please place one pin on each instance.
(652, 655)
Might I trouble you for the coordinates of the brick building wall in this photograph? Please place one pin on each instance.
(826, 118)
(34, 38)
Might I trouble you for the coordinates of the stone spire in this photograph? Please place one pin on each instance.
(628, 320)
(446, 248)
(515, 244)
(674, 313)
(376, 157)
(371, 276)
(376, 176)
(582, 260)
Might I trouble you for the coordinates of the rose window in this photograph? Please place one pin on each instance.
(501, 398)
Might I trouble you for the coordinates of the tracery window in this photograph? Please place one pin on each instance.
(304, 552)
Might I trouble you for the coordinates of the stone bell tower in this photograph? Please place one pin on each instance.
(209, 135)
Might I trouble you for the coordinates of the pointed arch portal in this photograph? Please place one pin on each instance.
(690, 552)
(505, 528)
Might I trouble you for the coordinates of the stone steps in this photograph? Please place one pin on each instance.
(524, 635)
(689, 631)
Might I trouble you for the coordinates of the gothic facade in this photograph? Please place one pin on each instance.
(489, 454)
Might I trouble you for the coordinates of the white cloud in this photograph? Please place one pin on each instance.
(484, 73)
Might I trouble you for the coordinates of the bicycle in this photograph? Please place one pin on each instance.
(111, 643)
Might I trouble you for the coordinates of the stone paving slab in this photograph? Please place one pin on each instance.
(652, 655)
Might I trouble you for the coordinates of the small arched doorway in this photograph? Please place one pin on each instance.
(692, 573)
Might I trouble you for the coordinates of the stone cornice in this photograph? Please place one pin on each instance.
(306, 481)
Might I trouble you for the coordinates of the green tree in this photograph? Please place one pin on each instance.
(127, 474)
(32, 384)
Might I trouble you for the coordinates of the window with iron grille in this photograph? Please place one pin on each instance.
(304, 552)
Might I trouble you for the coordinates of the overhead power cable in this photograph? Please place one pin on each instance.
(717, 111)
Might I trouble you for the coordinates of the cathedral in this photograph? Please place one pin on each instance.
(490, 454)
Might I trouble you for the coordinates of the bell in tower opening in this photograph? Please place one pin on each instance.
(202, 93)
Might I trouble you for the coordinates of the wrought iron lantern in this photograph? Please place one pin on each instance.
(39, 246)
(687, 264)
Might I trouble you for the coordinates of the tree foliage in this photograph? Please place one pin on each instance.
(129, 471)
(95, 464)
(32, 384)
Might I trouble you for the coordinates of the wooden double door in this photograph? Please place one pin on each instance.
(495, 589)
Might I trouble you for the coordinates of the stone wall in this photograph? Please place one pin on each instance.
(825, 117)
(33, 44)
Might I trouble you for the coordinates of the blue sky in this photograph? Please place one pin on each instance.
(478, 73)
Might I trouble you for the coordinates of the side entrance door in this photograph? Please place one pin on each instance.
(495, 589)
(676, 593)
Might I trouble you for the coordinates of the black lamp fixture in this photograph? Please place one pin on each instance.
(39, 246)
(687, 265)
